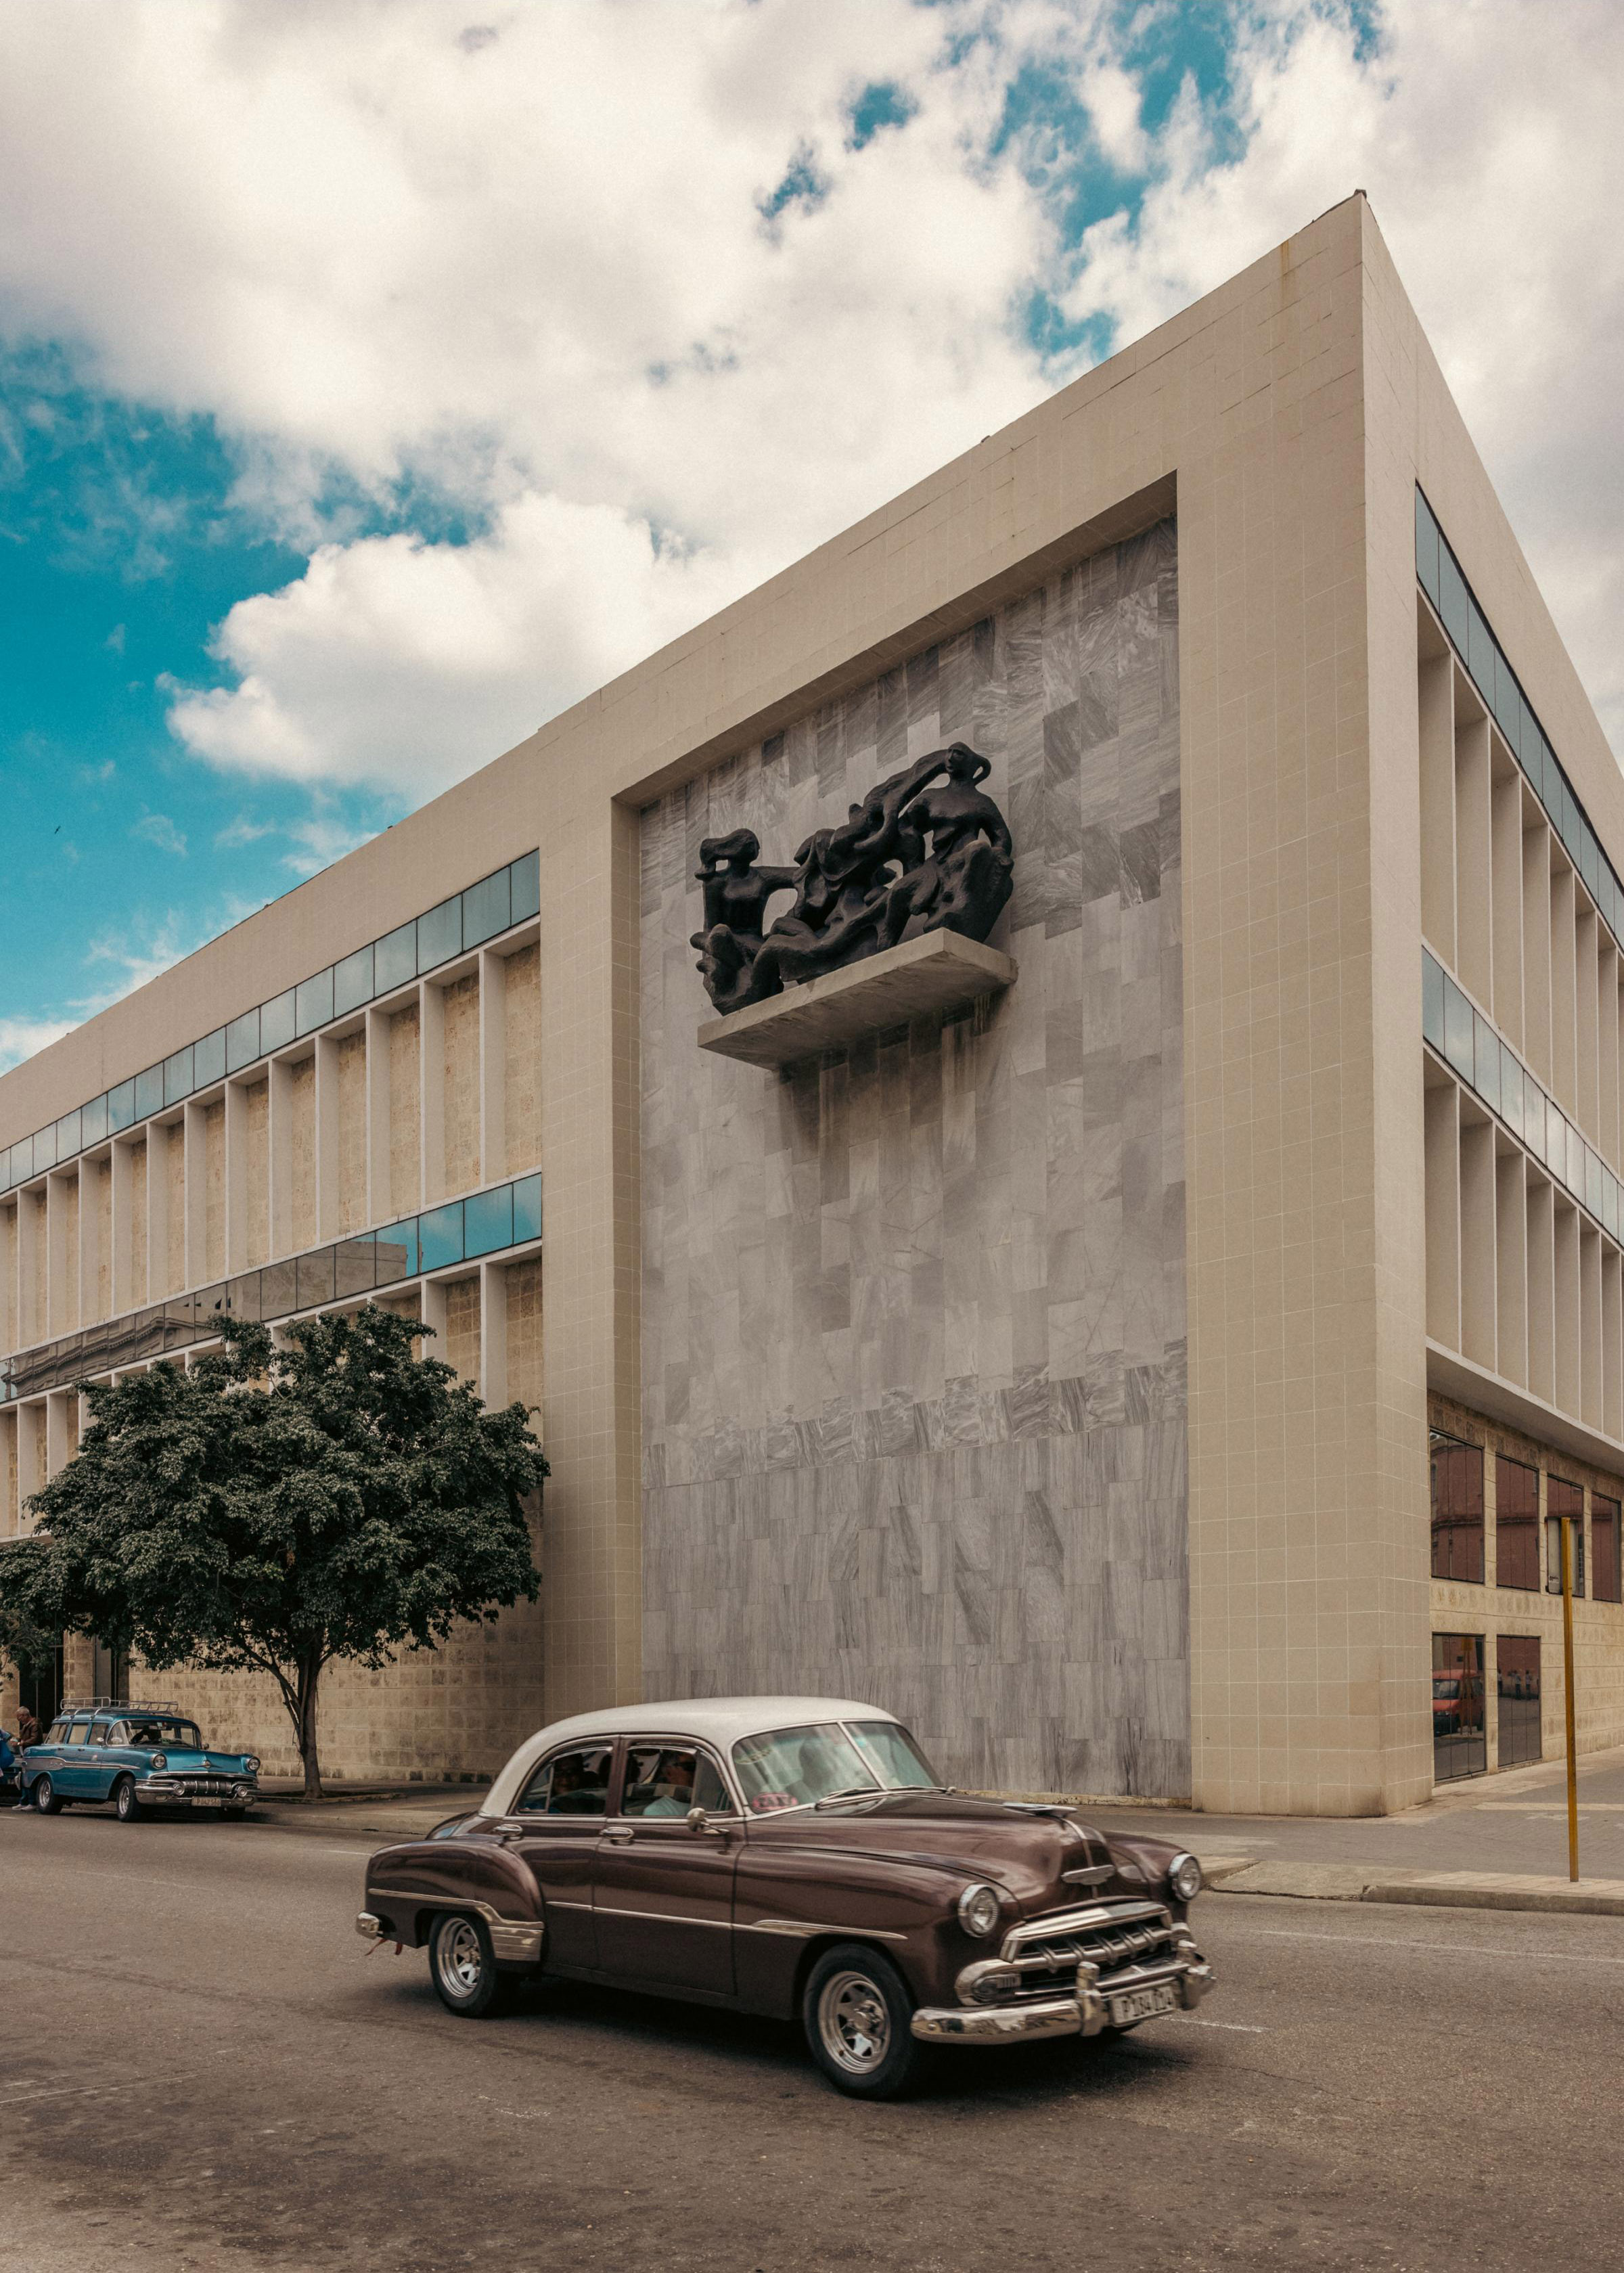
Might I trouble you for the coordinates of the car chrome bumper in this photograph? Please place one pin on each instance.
(1082, 2014)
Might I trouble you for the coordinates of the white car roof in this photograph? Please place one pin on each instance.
(721, 1721)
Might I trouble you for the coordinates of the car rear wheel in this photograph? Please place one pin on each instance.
(857, 2015)
(126, 1800)
(46, 1798)
(464, 1968)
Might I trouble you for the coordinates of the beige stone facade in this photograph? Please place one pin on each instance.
(1359, 1226)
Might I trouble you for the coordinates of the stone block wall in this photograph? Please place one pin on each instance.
(914, 1359)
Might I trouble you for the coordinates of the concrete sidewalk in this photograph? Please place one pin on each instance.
(1495, 1842)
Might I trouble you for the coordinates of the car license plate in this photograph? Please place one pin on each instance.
(1142, 2003)
(200, 1802)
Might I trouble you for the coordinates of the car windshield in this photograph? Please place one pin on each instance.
(797, 1767)
(151, 1728)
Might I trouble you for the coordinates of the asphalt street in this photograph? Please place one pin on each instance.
(202, 2067)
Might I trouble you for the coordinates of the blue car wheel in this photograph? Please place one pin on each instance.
(46, 1797)
(126, 1800)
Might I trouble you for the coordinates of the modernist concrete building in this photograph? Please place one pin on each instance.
(1150, 1375)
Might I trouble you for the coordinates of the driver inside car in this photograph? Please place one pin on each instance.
(674, 1782)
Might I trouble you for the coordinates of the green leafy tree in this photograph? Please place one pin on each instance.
(28, 1626)
(275, 1508)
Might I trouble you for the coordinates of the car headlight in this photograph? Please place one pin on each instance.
(159, 1760)
(250, 1764)
(978, 1910)
(1184, 1877)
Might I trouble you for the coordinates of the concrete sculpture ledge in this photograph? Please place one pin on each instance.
(939, 971)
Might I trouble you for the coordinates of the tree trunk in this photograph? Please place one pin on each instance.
(310, 1679)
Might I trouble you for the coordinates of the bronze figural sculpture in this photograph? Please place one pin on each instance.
(925, 851)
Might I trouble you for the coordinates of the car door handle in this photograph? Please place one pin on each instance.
(620, 1833)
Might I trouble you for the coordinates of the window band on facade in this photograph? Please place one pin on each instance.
(1471, 1046)
(1484, 661)
(468, 919)
(483, 1225)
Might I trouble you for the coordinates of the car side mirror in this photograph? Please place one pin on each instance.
(696, 1819)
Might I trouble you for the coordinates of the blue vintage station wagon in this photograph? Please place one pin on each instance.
(138, 1756)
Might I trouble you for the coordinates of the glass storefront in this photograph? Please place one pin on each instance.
(1564, 1499)
(1516, 1667)
(1516, 1525)
(1458, 1510)
(1460, 1738)
(1605, 1548)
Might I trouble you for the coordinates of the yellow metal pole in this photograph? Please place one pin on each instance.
(1572, 1748)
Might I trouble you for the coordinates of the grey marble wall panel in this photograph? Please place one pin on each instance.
(914, 1389)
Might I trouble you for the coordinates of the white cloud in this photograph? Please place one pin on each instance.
(520, 264)
(1485, 134)
(158, 828)
(22, 1038)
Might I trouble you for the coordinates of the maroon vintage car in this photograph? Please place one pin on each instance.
(793, 1856)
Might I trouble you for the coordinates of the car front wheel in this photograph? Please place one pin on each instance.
(857, 2015)
(126, 1800)
(46, 1798)
(464, 1968)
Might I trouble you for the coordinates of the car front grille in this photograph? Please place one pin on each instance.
(1116, 1937)
(207, 1787)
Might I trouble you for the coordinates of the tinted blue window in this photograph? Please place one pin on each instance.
(312, 1002)
(439, 1236)
(439, 934)
(397, 1252)
(279, 1289)
(44, 1148)
(1592, 1182)
(485, 908)
(209, 1058)
(352, 981)
(528, 1206)
(67, 1136)
(355, 1265)
(1510, 1090)
(1480, 653)
(149, 1092)
(488, 1221)
(395, 958)
(1508, 702)
(21, 1159)
(242, 1040)
(1556, 1139)
(1610, 1201)
(276, 1021)
(1457, 1030)
(1427, 548)
(121, 1106)
(1485, 1078)
(526, 875)
(1452, 600)
(1432, 1001)
(178, 1082)
(243, 1296)
(92, 1122)
(1528, 744)
(315, 1278)
(1590, 859)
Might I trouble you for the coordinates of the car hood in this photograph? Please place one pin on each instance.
(1029, 1849)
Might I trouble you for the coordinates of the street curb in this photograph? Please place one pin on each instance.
(1470, 1890)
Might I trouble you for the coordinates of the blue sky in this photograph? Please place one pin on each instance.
(376, 381)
